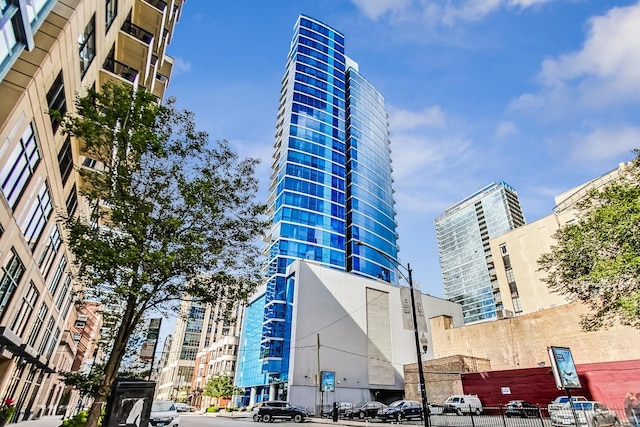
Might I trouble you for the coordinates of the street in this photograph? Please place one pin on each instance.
(242, 420)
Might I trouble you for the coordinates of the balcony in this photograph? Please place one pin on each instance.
(158, 4)
(121, 70)
(138, 32)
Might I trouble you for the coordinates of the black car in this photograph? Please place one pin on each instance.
(521, 408)
(401, 410)
(364, 410)
(277, 409)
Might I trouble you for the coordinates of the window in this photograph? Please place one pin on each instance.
(37, 325)
(29, 300)
(38, 216)
(87, 45)
(65, 161)
(50, 251)
(57, 101)
(19, 169)
(111, 11)
(12, 272)
(62, 296)
(53, 343)
(53, 285)
(72, 201)
(47, 335)
(9, 43)
(34, 9)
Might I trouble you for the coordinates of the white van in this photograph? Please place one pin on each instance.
(463, 403)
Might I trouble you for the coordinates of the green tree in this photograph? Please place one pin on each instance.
(596, 260)
(221, 386)
(170, 214)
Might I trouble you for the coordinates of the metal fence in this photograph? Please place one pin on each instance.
(493, 416)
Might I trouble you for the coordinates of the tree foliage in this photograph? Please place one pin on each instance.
(170, 213)
(596, 260)
(221, 386)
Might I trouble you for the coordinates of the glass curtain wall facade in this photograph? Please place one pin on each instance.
(331, 185)
(463, 233)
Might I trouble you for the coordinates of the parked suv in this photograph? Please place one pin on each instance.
(277, 409)
(463, 403)
(401, 409)
(365, 410)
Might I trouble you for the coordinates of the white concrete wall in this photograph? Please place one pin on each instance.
(333, 305)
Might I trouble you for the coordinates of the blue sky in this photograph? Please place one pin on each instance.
(542, 94)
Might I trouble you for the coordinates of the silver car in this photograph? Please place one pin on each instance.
(588, 414)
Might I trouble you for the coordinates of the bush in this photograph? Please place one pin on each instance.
(213, 409)
(78, 421)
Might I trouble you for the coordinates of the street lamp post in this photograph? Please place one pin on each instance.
(409, 279)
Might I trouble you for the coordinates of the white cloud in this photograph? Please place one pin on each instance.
(604, 144)
(376, 8)
(403, 120)
(505, 129)
(446, 12)
(603, 73)
(181, 66)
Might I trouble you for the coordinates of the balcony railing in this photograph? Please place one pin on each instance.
(158, 4)
(140, 33)
(120, 69)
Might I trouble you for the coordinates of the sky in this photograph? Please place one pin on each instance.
(541, 94)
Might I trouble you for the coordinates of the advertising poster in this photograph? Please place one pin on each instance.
(563, 367)
(328, 381)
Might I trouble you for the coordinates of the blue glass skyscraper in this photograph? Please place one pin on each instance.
(331, 186)
(463, 232)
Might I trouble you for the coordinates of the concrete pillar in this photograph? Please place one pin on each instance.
(273, 391)
(252, 396)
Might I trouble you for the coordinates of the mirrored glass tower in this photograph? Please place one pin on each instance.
(331, 186)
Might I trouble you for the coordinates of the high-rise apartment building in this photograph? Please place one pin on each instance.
(51, 50)
(331, 186)
(463, 232)
(204, 343)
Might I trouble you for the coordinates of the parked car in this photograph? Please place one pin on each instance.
(463, 403)
(365, 410)
(435, 409)
(560, 401)
(401, 410)
(589, 413)
(343, 407)
(163, 414)
(521, 408)
(182, 407)
(254, 411)
(278, 409)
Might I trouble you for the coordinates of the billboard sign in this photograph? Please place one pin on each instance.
(327, 381)
(563, 367)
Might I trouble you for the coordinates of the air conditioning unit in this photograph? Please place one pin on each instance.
(76, 337)
(81, 322)
(504, 314)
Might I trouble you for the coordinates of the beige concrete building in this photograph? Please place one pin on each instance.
(203, 344)
(51, 50)
(515, 254)
(522, 341)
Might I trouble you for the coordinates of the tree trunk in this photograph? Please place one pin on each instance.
(113, 364)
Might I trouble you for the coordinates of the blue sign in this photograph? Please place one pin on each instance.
(328, 381)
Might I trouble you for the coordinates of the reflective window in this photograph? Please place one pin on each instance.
(39, 213)
(56, 100)
(12, 272)
(27, 306)
(37, 325)
(111, 11)
(65, 161)
(87, 45)
(18, 170)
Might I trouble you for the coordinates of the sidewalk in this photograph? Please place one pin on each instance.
(49, 421)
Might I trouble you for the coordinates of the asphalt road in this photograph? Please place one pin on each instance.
(237, 420)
